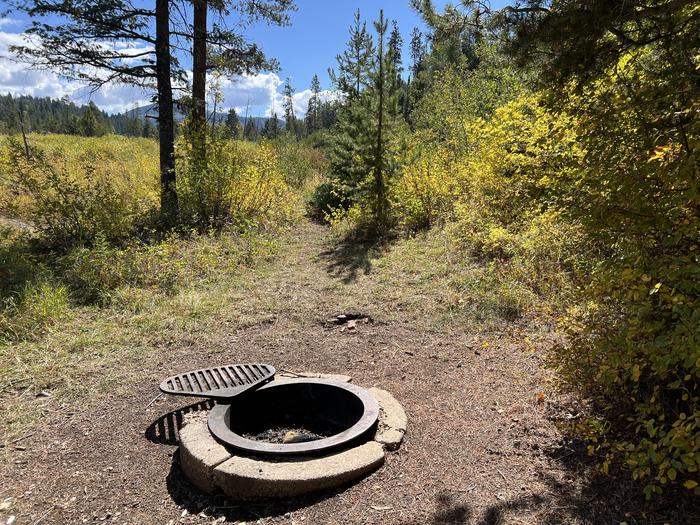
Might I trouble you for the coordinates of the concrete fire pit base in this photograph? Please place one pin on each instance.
(213, 468)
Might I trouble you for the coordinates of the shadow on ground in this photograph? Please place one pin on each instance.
(613, 498)
(600, 500)
(165, 430)
(352, 256)
(188, 497)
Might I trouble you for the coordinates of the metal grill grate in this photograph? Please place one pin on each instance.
(219, 382)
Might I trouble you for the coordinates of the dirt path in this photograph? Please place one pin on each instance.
(480, 448)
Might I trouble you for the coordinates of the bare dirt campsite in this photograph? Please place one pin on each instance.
(306, 262)
(482, 444)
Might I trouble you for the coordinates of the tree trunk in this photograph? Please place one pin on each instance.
(379, 161)
(166, 126)
(199, 80)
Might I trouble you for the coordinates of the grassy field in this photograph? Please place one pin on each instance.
(87, 280)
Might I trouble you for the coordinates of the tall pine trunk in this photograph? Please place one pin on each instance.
(166, 126)
(199, 80)
(379, 188)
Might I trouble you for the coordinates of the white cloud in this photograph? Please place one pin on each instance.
(261, 92)
(19, 79)
(256, 91)
(301, 102)
(7, 21)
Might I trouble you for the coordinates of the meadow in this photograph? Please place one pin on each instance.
(80, 241)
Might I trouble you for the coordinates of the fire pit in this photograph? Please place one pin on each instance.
(295, 416)
(272, 436)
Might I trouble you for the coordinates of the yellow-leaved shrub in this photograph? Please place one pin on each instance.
(425, 188)
(240, 183)
(634, 348)
(73, 189)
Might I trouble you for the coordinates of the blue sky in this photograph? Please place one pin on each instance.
(318, 32)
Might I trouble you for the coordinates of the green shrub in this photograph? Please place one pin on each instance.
(37, 306)
(326, 199)
(70, 201)
(300, 164)
(424, 191)
(239, 183)
(634, 347)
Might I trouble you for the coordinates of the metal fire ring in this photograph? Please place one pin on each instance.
(220, 417)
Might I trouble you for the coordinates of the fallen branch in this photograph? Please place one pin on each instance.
(154, 400)
(17, 440)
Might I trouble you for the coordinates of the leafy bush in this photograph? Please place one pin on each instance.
(634, 349)
(425, 189)
(87, 201)
(71, 197)
(240, 183)
(299, 164)
(326, 200)
(584, 195)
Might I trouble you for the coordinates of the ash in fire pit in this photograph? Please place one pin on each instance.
(298, 428)
(287, 435)
(244, 469)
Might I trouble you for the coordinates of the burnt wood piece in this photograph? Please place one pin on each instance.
(220, 382)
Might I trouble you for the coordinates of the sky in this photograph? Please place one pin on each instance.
(318, 32)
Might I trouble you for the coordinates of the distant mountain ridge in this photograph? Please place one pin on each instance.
(150, 110)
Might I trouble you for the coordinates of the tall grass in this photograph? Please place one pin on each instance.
(89, 206)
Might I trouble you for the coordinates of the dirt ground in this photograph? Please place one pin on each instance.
(482, 445)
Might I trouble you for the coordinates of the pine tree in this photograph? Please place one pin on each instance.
(271, 128)
(360, 154)
(395, 45)
(383, 94)
(133, 126)
(233, 124)
(313, 113)
(352, 144)
(288, 103)
(250, 130)
(418, 51)
(93, 122)
(328, 114)
(147, 131)
(352, 77)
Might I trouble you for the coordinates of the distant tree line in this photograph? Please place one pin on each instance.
(47, 115)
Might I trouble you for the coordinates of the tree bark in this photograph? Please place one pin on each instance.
(379, 161)
(199, 79)
(166, 126)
